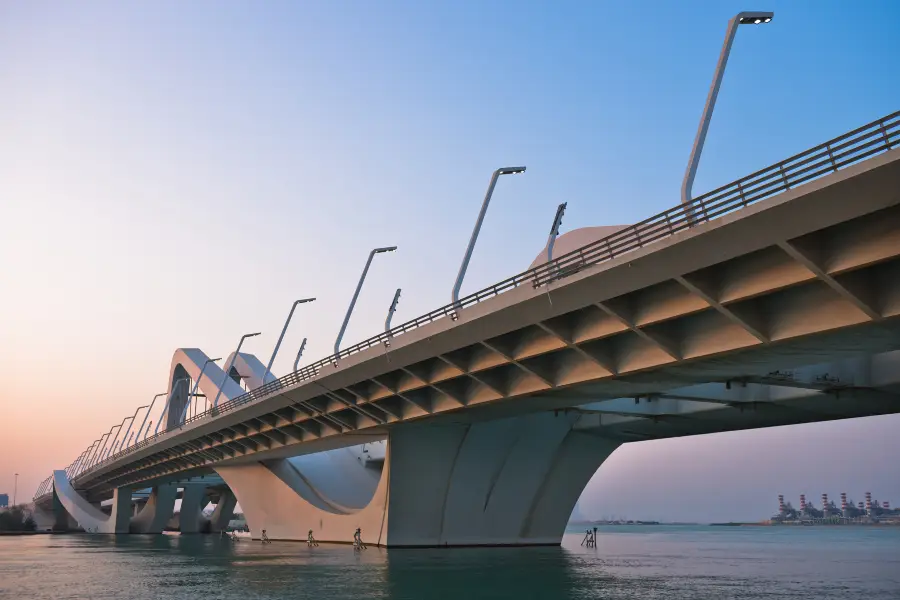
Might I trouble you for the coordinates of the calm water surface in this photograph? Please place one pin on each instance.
(630, 562)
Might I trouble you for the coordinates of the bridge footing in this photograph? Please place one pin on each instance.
(507, 482)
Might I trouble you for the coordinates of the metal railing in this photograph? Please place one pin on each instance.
(852, 147)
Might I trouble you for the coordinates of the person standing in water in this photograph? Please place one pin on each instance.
(357, 540)
(310, 540)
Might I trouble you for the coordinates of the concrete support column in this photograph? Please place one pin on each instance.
(193, 500)
(158, 510)
(224, 511)
(89, 517)
(505, 482)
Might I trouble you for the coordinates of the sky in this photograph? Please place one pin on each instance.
(176, 174)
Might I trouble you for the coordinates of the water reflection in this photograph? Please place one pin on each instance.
(645, 564)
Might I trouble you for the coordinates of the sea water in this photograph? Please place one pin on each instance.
(639, 562)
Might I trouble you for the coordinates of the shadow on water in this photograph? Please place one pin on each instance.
(483, 573)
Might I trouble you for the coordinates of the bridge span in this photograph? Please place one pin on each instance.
(773, 300)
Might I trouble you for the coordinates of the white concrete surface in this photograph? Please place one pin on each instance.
(157, 511)
(89, 517)
(506, 482)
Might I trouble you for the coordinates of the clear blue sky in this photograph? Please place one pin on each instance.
(176, 174)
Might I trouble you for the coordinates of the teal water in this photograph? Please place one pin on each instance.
(634, 562)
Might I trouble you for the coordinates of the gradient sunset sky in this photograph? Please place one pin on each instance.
(175, 174)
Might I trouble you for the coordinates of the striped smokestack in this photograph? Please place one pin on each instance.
(824, 505)
(886, 505)
(844, 503)
(861, 506)
(780, 504)
(802, 502)
(869, 503)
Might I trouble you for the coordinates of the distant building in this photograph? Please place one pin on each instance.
(4, 500)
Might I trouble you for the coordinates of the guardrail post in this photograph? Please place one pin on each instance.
(884, 133)
(784, 178)
(831, 156)
(741, 193)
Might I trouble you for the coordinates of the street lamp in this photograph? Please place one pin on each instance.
(299, 353)
(112, 446)
(103, 441)
(127, 438)
(392, 310)
(231, 364)
(193, 393)
(137, 436)
(337, 342)
(484, 207)
(554, 229)
(117, 443)
(281, 337)
(743, 18)
(90, 457)
(175, 386)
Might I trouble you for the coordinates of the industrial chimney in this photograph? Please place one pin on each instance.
(802, 503)
(844, 503)
(886, 505)
(824, 505)
(860, 505)
(780, 504)
(869, 503)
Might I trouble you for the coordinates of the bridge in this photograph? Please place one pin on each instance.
(772, 300)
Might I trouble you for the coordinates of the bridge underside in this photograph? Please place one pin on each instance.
(505, 481)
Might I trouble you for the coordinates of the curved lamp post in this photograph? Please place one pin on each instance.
(299, 353)
(743, 18)
(392, 310)
(484, 207)
(554, 230)
(231, 364)
(281, 337)
(117, 443)
(137, 436)
(175, 385)
(127, 438)
(115, 439)
(362, 278)
(86, 463)
(193, 392)
(99, 455)
(99, 449)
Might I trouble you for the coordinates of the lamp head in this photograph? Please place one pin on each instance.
(387, 249)
(754, 18)
(253, 334)
(511, 170)
(214, 359)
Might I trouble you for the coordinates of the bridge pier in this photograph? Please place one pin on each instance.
(505, 482)
(193, 499)
(157, 511)
(88, 516)
(224, 511)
